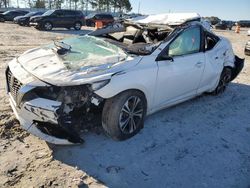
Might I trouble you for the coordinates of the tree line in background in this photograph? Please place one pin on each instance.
(4, 3)
(98, 5)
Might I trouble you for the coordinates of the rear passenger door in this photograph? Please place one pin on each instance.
(214, 55)
(57, 18)
(69, 19)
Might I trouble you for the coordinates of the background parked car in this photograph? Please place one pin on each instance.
(104, 18)
(25, 20)
(244, 23)
(11, 14)
(247, 48)
(58, 18)
(224, 25)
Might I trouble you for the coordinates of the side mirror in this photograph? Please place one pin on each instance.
(164, 57)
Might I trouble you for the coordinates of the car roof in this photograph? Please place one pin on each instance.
(67, 10)
(166, 18)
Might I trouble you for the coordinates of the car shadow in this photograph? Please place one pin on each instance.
(201, 142)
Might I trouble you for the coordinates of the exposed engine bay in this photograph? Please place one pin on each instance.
(79, 110)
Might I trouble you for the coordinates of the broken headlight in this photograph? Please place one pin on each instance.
(98, 85)
(50, 92)
(67, 94)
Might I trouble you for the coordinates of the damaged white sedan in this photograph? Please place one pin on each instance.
(122, 73)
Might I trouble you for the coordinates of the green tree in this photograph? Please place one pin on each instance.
(39, 4)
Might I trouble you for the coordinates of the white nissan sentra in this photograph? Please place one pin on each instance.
(121, 73)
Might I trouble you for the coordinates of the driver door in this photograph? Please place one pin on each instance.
(180, 73)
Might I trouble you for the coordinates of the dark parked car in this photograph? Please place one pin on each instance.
(58, 18)
(25, 20)
(244, 23)
(104, 18)
(11, 14)
(224, 25)
(247, 48)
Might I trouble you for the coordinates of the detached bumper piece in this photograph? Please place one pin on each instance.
(239, 64)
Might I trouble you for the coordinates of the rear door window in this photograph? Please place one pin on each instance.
(210, 41)
(59, 13)
(68, 13)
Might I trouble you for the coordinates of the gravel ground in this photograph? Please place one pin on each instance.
(204, 142)
(25, 160)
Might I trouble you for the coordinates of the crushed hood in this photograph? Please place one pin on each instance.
(90, 59)
(166, 19)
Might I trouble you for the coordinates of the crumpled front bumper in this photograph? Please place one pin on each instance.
(39, 110)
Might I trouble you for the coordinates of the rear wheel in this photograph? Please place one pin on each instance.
(225, 78)
(123, 115)
(47, 26)
(2, 20)
(77, 26)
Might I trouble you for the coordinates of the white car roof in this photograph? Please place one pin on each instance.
(166, 19)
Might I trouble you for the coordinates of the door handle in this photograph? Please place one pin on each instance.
(199, 64)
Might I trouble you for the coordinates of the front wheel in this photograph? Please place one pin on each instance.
(47, 26)
(225, 78)
(123, 115)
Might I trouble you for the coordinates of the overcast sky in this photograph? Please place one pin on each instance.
(224, 9)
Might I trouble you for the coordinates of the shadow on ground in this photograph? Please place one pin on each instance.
(204, 142)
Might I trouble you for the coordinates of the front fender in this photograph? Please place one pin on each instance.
(142, 77)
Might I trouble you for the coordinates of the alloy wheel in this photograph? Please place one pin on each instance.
(78, 26)
(48, 26)
(131, 115)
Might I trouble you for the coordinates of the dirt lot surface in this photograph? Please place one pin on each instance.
(25, 160)
(204, 142)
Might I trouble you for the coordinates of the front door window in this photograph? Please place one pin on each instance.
(187, 42)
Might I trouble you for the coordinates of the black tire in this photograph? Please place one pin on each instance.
(115, 114)
(2, 20)
(78, 26)
(47, 26)
(225, 78)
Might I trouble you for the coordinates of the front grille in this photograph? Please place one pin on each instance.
(14, 85)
